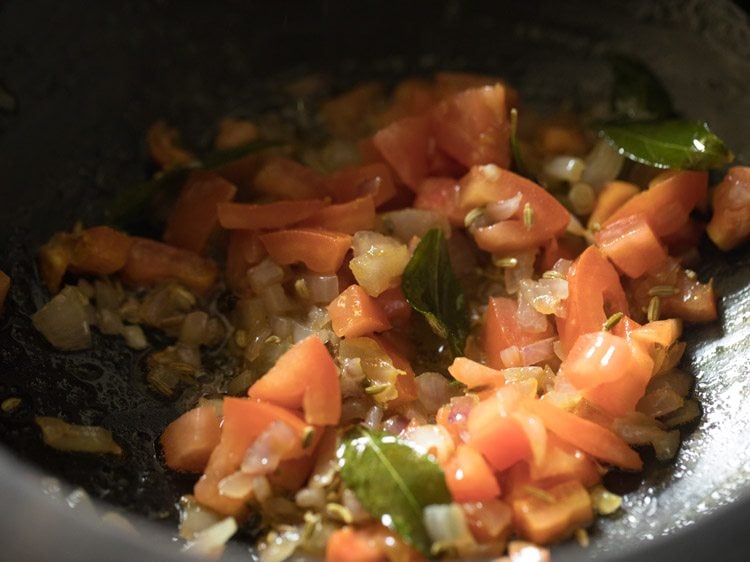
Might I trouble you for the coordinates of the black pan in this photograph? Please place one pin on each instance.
(81, 82)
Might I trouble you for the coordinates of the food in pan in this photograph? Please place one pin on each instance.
(441, 319)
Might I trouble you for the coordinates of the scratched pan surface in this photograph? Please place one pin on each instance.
(82, 81)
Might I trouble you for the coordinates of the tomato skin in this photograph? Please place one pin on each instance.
(631, 245)
(490, 184)
(474, 374)
(610, 371)
(594, 292)
(100, 250)
(355, 545)
(441, 195)
(730, 223)
(304, 377)
(404, 144)
(194, 216)
(150, 262)
(473, 126)
(562, 462)
(501, 330)
(349, 217)
(354, 182)
(354, 313)
(468, 477)
(283, 178)
(250, 216)
(395, 306)
(667, 202)
(322, 251)
(613, 195)
(189, 440)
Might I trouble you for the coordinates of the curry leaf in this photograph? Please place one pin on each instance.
(131, 203)
(432, 289)
(393, 481)
(637, 93)
(682, 145)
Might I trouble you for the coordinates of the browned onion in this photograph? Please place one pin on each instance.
(64, 436)
(64, 320)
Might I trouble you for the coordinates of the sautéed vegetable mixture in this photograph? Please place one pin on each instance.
(444, 317)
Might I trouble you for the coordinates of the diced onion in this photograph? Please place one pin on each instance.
(64, 320)
(431, 438)
(582, 198)
(378, 261)
(529, 318)
(64, 436)
(689, 412)
(275, 299)
(493, 517)
(564, 168)
(265, 274)
(366, 356)
(238, 485)
(447, 527)
(280, 546)
(539, 351)
(603, 501)
(210, 542)
(406, 224)
(134, 337)
(511, 356)
(311, 497)
(659, 402)
(195, 517)
(373, 417)
(434, 391)
(501, 210)
(524, 269)
(265, 453)
(322, 288)
(193, 331)
(603, 164)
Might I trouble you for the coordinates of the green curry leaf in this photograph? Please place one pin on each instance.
(677, 144)
(432, 289)
(393, 481)
(637, 94)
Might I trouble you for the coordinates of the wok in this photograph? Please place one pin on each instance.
(82, 81)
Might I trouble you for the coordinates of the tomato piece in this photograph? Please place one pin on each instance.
(612, 372)
(284, 178)
(355, 545)
(244, 420)
(473, 126)
(490, 184)
(354, 182)
(543, 521)
(410, 97)
(350, 217)
(405, 146)
(395, 306)
(501, 330)
(4, 288)
(683, 243)
(585, 435)
(496, 433)
(474, 374)
(468, 476)
(99, 250)
(151, 262)
(613, 195)
(406, 383)
(244, 250)
(564, 462)
(594, 293)
(194, 216)
(631, 245)
(322, 251)
(346, 114)
(354, 313)
(190, 439)
(304, 377)
(667, 202)
(248, 216)
(441, 195)
(165, 146)
(660, 332)
(489, 520)
(730, 223)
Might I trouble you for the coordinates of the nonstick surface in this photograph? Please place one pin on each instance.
(85, 81)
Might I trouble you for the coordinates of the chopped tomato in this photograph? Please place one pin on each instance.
(354, 313)
(348, 544)
(474, 374)
(667, 202)
(563, 462)
(404, 144)
(406, 382)
(544, 521)
(591, 438)
(660, 332)
(501, 330)
(350, 217)
(243, 251)
(150, 262)
(4, 287)
(345, 115)
(194, 217)
(322, 251)
(473, 126)
(393, 302)
(244, 420)
(489, 184)
(613, 195)
(610, 371)
(358, 181)
(489, 520)
(730, 223)
(165, 146)
(631, 245)
(594, 293)
(99, 250)
(190, 439)
(441, 195)
(248, 216)
(410, 97)
(305, 377)
(283, 178)
(468, 476)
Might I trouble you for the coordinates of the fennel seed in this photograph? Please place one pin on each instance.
(612, 321)
(663, 291)
(300, 287)
(374, 389)
(506, 263)
(308, 435)
(654, 309)
(552, 274)
(339, 512)
(528, 215)
(472, 216)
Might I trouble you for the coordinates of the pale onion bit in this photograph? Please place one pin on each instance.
(64, 436)
(210, 542)
(378, 261)
(265, 453)
(406, 224)
(603, 164)
(447, 527)
(64, 321)
(430, 439)
(195, 517)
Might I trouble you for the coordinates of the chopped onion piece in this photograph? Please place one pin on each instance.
(539, 351)
(689, 412)
(373, 417)
(406, 224)
(603, 164)
(351, 503)
(322, 288)
(431, 438)
(511, 357)
(501, 210)
(529, 318)
(447, 527)
(193, 331)
(564, 168)
(311, 497)
(134, 337)
(280, 546)
(210, 542)
(238, 485)
(603, 501)
(364, 355)
(264, 455)
(378, 261)
(524, 269)
(562, 266)
(582, 198)
(265, 274)
(108, 322)
(434, 391)
(195, 517)
(275, 299)
(64, 320)
(64, 436)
